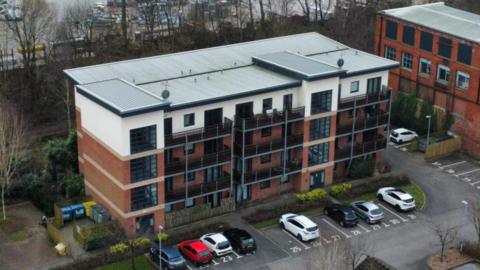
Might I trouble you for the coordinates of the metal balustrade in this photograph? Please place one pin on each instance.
(361, 124)
(269, 119)
(199, 162)
(195, 190)
(200, 134)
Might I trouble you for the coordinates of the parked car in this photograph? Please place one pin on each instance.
(171, 257)
(300, 226)
(217, 244)
(195, 251)
(402, 135)
(241, 240)
(368, 211)
(399, 199)
(343, 214)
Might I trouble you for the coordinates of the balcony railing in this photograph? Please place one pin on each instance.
(370, 122)
(277, 171)
(362, 148)
(255, 149)
(347, 103)
(196, 163)
(267, 119)
(200, 134)
(199, 189)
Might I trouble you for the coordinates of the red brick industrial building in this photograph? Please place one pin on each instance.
(438, 48)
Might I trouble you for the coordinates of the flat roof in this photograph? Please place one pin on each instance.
(442, 18)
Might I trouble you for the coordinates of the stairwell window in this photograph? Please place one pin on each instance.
(143, 139)
(443, 74)
(319, 128)
(463, 80)
(318, 154)
(143, 168)
(321, 102)
(143, 197)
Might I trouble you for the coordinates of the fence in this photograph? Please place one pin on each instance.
(441, 149)
(56, 235)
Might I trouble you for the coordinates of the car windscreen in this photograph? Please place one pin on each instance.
(408, 200)
(376, 212)
(223, 245)
(176, 259)
(394, 134)
(248, 241)
(312, 229)
(204, 253)
(350, 215)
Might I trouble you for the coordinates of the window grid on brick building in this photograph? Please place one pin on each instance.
(425, 66)
(407, 60)
(143, 139)
(319, 128)
(390, 53)
(143, 168)
(463, 80)
(143, 197)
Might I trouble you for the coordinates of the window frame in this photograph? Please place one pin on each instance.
(393, 30)
(320, 128)
(443, 45)
(390, 53)
(470, 53)
(143, 139)
(187, 123)
(189, 148)
(447, 81)
(424, 61)
(321, 156)
(266, 132)
(464, 74)
(267, 104)
(406, 61)
(410, 35)
(321, 102)
(137, 203)
(143, 168)
(357, 83)
(423, 38)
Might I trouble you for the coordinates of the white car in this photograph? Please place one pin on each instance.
(217, 243)
(300, 226)
(402, 135)
(401, 200)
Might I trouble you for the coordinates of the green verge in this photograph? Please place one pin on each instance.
(19, 235)
(140, 262)
(274, 221)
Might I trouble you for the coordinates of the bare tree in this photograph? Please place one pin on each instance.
(124, 23)
(262, 11)
(328, 258)
(78, 24)
(151, 11)
(445, 235)
(12, 135)
(355, 251)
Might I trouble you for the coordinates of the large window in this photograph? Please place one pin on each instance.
(142, 139)
(266, 105)
(319, 128)
(391, 32)
(143, 168)
(318, 154)
(407, 60)
(321, 102)
(189, 119)
(374, 85)
(464, 54)
(443, 74)
(212, 174)
(390, 53)
(463, 80)
(408, 35)
(426, 41)
(445, 47)
(143, 197)
(425, 66)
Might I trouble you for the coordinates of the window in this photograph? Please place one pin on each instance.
(407, 60)
(317, 179)
(265, 158)
(265, 184)
(168, 184)
(142, 139)
(374, 85)
(321, 102)
(443, 73)
(390, 53)
(190, 176)
(189, 120)
(189, 148)
(266, 105)
(143, 197)
(212, 174)
(462, 80)
(426, 41)
(464, 54)
(266, 132)
(408, 35)
(287, 102)
(189, 203)
(319, 128)
(425, 66)
(354, 87)
(143, 168)
(391, 30)
(445, 47)
(318, 154)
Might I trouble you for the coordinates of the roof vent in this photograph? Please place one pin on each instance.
(340, 62)
(190, 70)
(165, 94)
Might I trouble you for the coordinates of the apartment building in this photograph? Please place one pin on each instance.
(438, 47)
(230, 124)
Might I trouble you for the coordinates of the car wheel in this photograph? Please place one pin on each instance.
(380, 197)
(397, 207)
(299, 237)
(282, 225)
(400, 141)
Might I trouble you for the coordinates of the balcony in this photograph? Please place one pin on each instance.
(256, 149)
(201, 162)
(270, 119)
(199, 189)
(361, 124)
(360, 149)
(277, 171)
(348, 103)
(200, 134)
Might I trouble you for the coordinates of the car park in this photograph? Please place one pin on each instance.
(402, 135)
(241, 240)
(300, 226)
(217, 243)
(171, 257)
(367, 211)
(399, 199)
(343, 214)
(195, 251)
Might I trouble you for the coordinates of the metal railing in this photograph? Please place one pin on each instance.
(360, 124)
(346, 103)
(361, 148)
(199, 189)
(196, 163)
(276, 171)
(267, 119)
(255, 149)
(199, 134)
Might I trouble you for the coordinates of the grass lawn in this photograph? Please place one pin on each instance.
(274, 221)
(140, 262)
(19, 235)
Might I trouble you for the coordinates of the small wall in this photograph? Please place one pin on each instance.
(196, 213)
(441, 149)
(56, 235)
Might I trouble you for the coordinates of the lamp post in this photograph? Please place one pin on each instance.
(429, 117)
(160, 229)
(462, 242)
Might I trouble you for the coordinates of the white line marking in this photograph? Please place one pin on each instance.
(365, 229)
(476, 170)
(335, 227)
(452, 164)
(393, 213)
(301, 243)
(474, 183)
(238, 256)
(326, 240)
(214, 262)
(402, 145)
(188, 266)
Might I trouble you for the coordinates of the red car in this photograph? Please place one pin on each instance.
(195, 251)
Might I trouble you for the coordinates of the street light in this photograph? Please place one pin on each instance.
(160, 229)
(462, 242)
(429, 117)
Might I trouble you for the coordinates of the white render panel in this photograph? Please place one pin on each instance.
(346, 83)
(308, 88)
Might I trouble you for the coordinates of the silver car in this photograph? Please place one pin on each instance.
(368, 211)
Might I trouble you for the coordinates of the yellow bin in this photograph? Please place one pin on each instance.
(87, 206)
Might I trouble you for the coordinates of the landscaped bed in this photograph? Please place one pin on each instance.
(141, 262)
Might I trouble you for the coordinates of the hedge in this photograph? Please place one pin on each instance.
(194, 232)
(472, 250)
(372, 185)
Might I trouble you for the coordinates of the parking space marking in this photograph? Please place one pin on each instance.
(337, 229)
(294, 238)
(463, 173)
(188, 266)
(401, 145)
(452, 164)
(474, 183)
(326, 240)
(393, 213)
(365, 229)
(214, 262)
(238, 256)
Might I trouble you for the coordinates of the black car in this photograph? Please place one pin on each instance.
(241, 240)
(171, 257)
(343, 214)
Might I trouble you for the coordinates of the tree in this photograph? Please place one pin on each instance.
(475, 215)
(151, 11)
(12, 143)
(78, 24)
(355, 251)
(445, 236)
